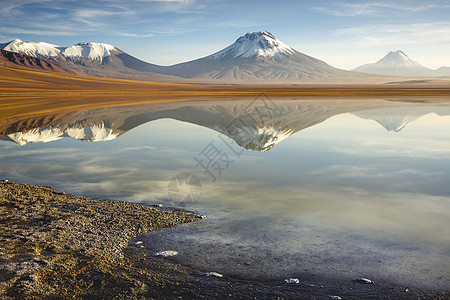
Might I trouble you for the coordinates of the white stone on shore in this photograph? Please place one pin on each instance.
(139, 242)
(363, 280)
(335, 297)
(292, 280)
(215, 274)
(166, 253)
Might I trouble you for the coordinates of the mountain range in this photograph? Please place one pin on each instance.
(397, 63)
(256, 57)
(252, 58)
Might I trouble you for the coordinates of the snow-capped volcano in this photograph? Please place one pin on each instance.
(258, 57)
(396, 63)
(90, 51)
(262, 44)
(397, 59)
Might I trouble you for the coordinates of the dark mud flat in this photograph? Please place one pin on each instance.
(57, 246)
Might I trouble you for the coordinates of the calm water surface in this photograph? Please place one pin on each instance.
(332, 189)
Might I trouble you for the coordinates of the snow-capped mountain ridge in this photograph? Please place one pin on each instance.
(34, 49)
(255, 44)
(90, 50)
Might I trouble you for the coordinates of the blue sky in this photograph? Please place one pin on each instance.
(344, 33)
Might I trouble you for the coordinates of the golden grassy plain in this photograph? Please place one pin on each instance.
(28, 92)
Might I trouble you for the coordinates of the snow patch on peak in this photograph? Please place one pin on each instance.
(259, 44)
(93, 51)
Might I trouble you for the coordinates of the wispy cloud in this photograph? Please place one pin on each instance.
(134, 35)
(405, 34)
(111, 16)
(11, 7)
(95, 13)
(374, 9)
(43, 32)
(372, 171)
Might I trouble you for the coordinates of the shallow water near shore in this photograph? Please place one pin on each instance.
(318, 190)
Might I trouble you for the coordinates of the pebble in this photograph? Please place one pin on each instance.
(292, 280)
(201, 216)
(157, 205)
(215, 274)
(335, 297)
(166, 253)
(4, 180)
(139, 242)
(363, 280)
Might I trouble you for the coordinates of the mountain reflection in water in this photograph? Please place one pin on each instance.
(254, 125)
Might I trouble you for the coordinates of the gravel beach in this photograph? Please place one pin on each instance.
(54, 245)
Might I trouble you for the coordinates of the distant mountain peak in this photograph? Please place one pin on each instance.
(397, 59)
(255, 44)
(396, 63)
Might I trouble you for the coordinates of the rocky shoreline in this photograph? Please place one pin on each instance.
(54, 245)
(57, 246)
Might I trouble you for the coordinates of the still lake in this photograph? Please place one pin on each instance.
(314, 189)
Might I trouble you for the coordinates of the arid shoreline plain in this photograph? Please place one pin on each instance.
(26, 91)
